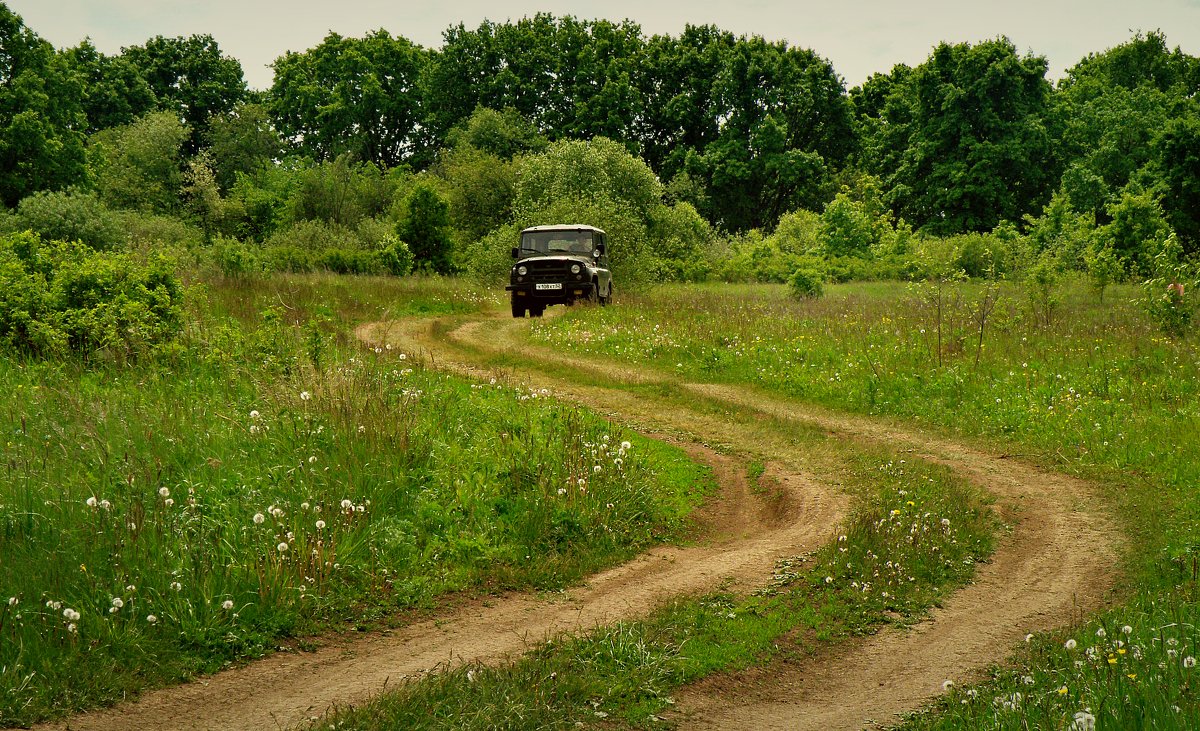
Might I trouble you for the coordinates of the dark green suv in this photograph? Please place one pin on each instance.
(559, 265)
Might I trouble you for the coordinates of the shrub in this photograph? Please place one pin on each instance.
(350, 261)
(235, 259)
(425, 227)
(395, 256)
(288, 259)
(314, 236)
(70, 215)
(152, 232)
(61, 297)
(806, 282)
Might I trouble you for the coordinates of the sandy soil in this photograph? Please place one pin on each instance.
(1056, 563)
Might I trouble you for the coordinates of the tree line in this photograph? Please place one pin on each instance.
(741, 129)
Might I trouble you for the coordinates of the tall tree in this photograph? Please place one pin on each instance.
(190, 77)
(352, 95)
(785, 122)
(242, 141)
(969, 139)
(41, 120)
(114, 91)
(1109, 109)
(1176, 165)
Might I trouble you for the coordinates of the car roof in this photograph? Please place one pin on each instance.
(563, 227)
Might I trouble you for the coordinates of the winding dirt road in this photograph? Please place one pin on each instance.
(1056, 562)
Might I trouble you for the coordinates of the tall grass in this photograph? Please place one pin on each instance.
(269, 477)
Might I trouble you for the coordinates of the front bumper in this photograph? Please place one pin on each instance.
(570, 292)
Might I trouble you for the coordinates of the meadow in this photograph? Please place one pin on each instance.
(267, 478)
(1087, 387)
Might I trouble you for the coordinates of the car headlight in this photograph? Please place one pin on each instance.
(574, 268)
(522, 271)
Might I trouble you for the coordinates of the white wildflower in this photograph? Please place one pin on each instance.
(305, 395)
(227, 604)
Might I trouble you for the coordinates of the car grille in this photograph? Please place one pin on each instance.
(548, 271)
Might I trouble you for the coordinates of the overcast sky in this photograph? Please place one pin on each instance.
(860, 37)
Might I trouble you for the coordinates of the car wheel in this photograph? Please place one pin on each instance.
(518, 310)
(606, 299)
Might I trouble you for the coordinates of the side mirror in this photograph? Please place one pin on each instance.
(515, 252)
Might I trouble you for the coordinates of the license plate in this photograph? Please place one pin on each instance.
(548, 285)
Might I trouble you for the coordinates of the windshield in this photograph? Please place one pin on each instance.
(547, 242)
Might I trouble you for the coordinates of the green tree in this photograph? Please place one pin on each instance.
(571, 78)
(963, 141)
(480, 188)
(1110, 109)
(191, 78)
(340, 191)
(1138, 230)
(785, 121)
(1176, 165)
(242, 141)
(425, 226)
(114, 90)
(599, 169)
(140, 165)
(41, 119)
(504, 134)
(360, 96)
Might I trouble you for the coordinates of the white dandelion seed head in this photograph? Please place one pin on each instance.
(596, 469)
(305, 395)
(12, 601)
(176, 586)
(320, 525)
(254, 413)
(92, 502)
(151, 619)
(70, 615)
(312, 459)
(105, 504)
(72, 628)
(1127, 630)
(304, 506)
(118, 602)
(164, 492)
(1189, 662)
(254, 428)
(626, 445)
(259, 518)
(1084, 721)
(227, 604)
(169, 502)
(947, 684)
(828, 579)
(282, 547)
(1029, 637)
(1070, 644)
(347, 505)
(1101, 633)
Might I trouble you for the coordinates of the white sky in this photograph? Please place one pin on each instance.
(860, 37)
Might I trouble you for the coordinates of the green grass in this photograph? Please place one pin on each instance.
(1086, 387)
(268, 478)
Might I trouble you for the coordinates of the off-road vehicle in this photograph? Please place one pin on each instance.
(559, 265)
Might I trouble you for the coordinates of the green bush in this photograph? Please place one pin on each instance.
(60, 297)
(351, 261)
(395, 257)
(70, 215)
(147, 231)
(806, 282)
(314, 236)
(236, 259)
(288, 259)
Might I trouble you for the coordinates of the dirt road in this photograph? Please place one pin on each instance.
(1056, 560)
